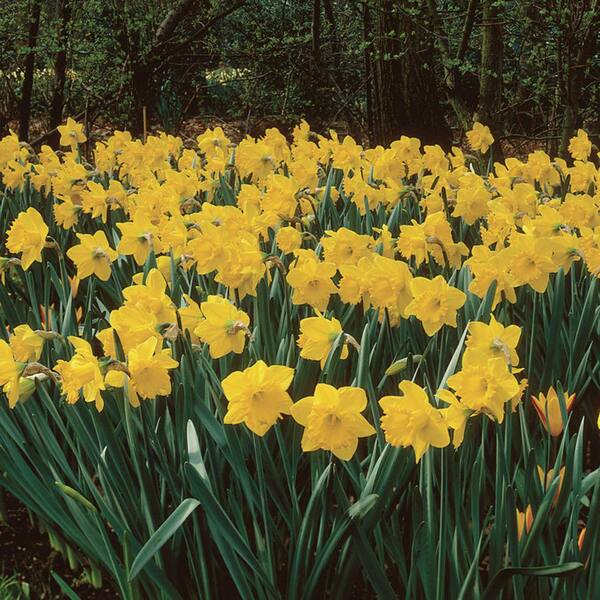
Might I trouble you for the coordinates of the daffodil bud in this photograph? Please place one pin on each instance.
(399, 365)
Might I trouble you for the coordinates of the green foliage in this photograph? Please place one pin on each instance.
(289, 67)
(171, 503)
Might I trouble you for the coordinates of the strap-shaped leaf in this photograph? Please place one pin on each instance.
(502, 577)
(162, 535)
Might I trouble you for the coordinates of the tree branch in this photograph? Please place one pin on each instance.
(467, 29)
(214, 19)
(171, 21)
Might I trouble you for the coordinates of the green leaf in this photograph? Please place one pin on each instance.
(163, 534)
(65, 588)
(503, 576)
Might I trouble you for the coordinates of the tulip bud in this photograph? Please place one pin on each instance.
(524, 521)
(581, 539)
(547, 478)
(549, 410)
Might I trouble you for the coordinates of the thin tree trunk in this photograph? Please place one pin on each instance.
(454, 85)
(366, 32)
(492, 60)
(60, 68)
(27, 88)
(335, 45)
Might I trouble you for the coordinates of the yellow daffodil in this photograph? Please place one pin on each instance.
(485, 387)
(529, 262)
(27, 235)
(81, 374)
(332, 420)
(456, 415)
(434, 303)
(480, 137)
(492, 341)
(411, 420)
(317, 336)
(149, 367)
(71, 133)
(93, 256)
(580, 146)
(10, 371)
(288, 239)
(26, 344)
(138, 238)
(311, 280)
(191, 315)
(224, 327)
(345, 247)
(257, 396)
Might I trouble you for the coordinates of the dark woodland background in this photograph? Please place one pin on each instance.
(374, 68)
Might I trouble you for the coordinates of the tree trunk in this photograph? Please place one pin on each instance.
(406, 89)
(336, 49)
(27, 88)
(366, 32)
(60, 69)
(490, 78)
(576, 77)
(456, 89)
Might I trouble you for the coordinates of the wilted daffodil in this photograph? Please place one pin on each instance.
(257, 396)
(411, 420)
(93, 256)
(224, 327)
(434, 303)
(332, 420)
(549, 411)
(27, 235)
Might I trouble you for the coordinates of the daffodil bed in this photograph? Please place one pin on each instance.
(291, 369)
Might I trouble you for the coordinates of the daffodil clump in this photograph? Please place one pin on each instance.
(236, 319)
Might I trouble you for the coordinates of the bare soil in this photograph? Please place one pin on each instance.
(26, 554)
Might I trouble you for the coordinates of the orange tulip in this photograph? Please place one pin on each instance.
(548, 410)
